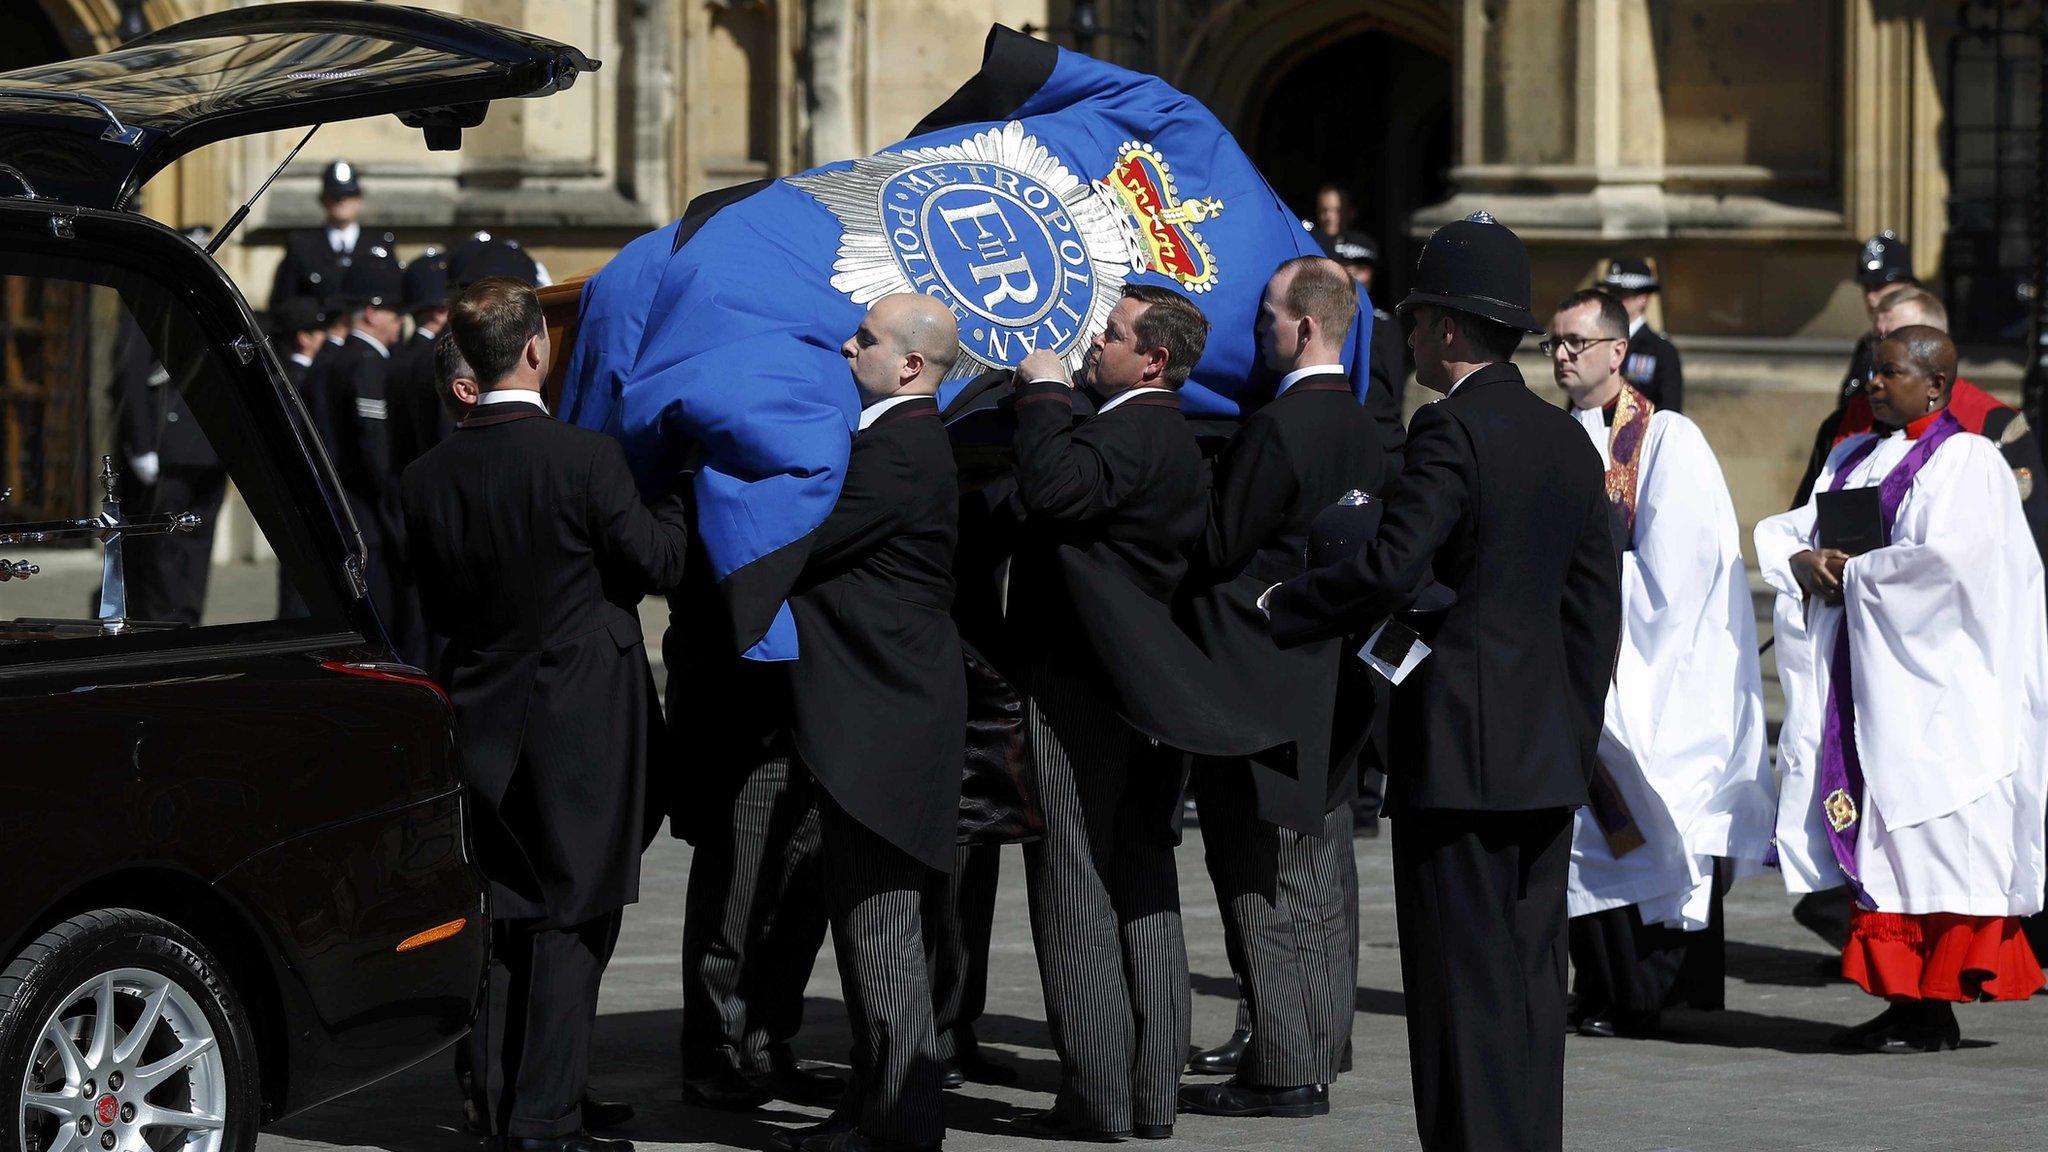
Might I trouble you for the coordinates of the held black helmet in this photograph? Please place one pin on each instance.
(1475, 265)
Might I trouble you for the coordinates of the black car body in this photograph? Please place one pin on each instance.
(268, 802)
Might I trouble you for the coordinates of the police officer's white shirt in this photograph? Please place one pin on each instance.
(302, 360)
(344, 239)
(372, 341)
(1289, 380)
(1636, 325)
(1465, 377)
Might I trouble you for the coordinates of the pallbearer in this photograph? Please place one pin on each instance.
(1914, 654)
(1683, 799)
(1277, 837)
(879, 707)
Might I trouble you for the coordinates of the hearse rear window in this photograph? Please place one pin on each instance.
(115, 401)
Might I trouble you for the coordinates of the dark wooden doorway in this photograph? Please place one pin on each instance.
(1371, 113)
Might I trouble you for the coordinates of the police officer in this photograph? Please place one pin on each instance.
(299, 330)
(316, 258)
(486, 255)
(1501, 499)
(174, 469)
(356, 401)
(1652, 364)
(417, 419)
(1883, 266)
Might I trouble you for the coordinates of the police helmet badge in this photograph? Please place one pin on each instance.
(1026, 254)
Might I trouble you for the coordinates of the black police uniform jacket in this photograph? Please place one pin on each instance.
(1503, 500)
(1294, 457)
(879, 688)
(418, 419)
(1652, 366)
(532, 550)
(312, 269)
(1109, 511)
(354, 386)
(151, 411)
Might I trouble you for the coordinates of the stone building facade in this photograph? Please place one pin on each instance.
(1747, 145)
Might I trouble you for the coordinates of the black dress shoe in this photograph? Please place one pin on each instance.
(574, 1142)
(789, 1080)
(951, 1076)
(1223, 1059)
(596, 1114)
(1152, 1131)
(727, 1091)
(605, 1113)
(979, 1069)
(1598, 1025)
(1868, 1032)
(1923, 1027)
(1052, 1124)
(1235, 1099)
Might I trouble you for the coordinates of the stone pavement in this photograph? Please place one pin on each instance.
(1757, 1076)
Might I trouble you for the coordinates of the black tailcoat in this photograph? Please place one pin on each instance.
(532, 551)
(1503, 500)
(1293, 458)
(1110, 510)
(879, 689)
(1652, 366)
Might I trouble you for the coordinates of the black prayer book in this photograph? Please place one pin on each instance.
(1851, 520)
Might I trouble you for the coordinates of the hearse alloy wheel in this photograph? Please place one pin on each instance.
(120, 1034)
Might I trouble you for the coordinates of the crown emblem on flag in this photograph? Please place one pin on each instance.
(1166, 234)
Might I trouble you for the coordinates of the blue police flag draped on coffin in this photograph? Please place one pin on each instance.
(1025, 202)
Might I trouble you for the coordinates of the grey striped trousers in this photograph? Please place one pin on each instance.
(754, 918)
(876, 890)
(1289, 905)
(1105, 912)
(959, 915)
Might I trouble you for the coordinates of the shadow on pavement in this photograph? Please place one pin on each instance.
(1785, 967)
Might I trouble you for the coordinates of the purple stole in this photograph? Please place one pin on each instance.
(1841, 768)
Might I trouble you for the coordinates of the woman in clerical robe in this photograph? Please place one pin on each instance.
(1915, 743)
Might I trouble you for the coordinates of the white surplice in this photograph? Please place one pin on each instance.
(1683, 735)
(1949, 652)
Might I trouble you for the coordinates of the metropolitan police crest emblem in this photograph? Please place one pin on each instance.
(1026, 254)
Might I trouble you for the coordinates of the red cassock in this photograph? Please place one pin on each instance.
(1940, 956)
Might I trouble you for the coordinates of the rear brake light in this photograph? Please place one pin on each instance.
(434, 935)
(393, 673)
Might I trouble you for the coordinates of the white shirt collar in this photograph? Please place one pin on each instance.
(873, 412)
(302, 360)
(1465, 377)
(1289, 380)
(359, 334)
(512, 396)
(344, 239)
(1125, 395)
(1636, 325)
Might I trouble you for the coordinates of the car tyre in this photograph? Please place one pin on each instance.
(179, 1054)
